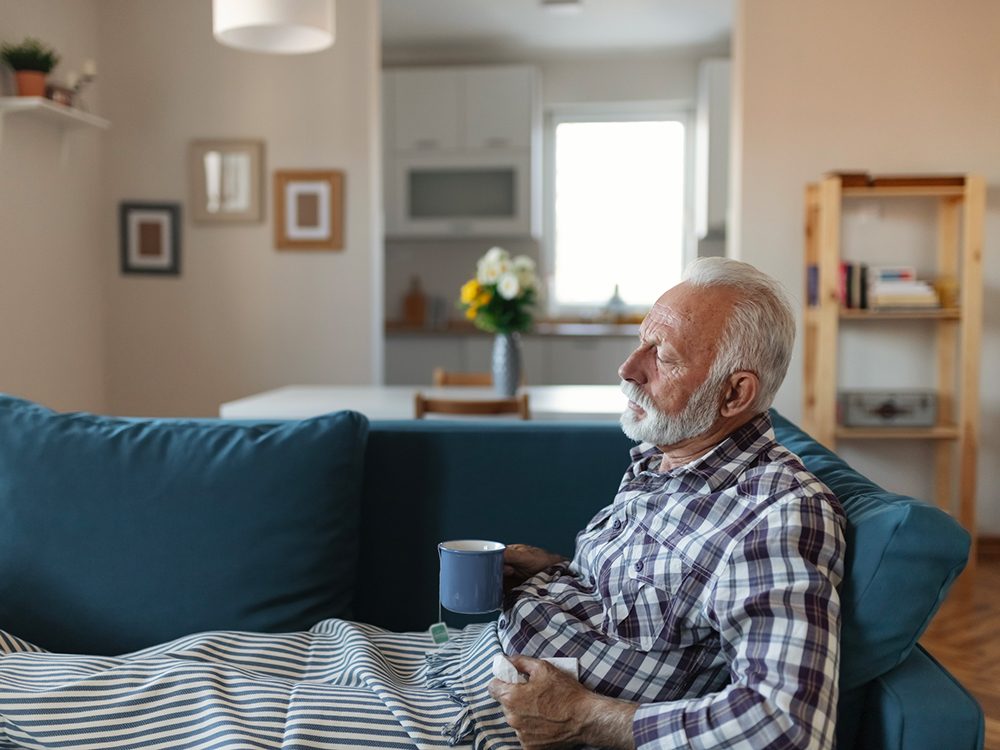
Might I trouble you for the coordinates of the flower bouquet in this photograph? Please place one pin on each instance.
(498, 300)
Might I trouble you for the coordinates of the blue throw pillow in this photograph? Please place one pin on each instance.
(119, 533)
(902, 557)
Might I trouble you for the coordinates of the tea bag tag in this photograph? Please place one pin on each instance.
(439, 633)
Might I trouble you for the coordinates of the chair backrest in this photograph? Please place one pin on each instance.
(444, 377)
(478, 407)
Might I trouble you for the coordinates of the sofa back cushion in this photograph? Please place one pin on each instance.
(428, 481)
(119, 533)
(902, 556)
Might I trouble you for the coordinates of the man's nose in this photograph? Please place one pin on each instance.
(631, 370)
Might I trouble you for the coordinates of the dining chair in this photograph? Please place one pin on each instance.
(424, 405)
(442, 377)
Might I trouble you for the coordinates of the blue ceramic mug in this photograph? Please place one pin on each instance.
(471, 580)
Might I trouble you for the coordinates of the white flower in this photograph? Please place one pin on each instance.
(487, 273)
(524, 268)
(508, 287)
(495, 255)
(493, 265)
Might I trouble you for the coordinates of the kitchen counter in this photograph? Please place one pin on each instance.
(553, 402)
(542, 328)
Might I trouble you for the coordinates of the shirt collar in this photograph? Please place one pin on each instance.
(727, 458)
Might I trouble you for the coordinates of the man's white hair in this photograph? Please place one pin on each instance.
(760, 331)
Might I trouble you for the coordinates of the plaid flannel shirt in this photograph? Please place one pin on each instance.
(707, 594)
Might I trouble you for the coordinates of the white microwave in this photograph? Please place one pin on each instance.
(460, 195)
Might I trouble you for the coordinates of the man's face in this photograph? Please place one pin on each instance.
(666, 378)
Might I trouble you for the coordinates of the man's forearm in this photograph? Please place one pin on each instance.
(608, 723)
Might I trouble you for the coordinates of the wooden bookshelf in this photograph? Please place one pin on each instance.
(959, 203)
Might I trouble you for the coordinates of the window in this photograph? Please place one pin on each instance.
(617, 208)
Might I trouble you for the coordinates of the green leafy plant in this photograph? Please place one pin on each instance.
(31, 54)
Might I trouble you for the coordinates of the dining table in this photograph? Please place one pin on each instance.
(546, 402)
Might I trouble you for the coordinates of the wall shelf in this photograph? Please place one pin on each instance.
(940, 313)
(59, 115)
(938, 432)
(905, 191)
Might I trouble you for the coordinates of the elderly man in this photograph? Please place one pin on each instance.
(702, 603)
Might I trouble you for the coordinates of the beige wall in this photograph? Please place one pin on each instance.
(893, 86)
(242, 317)
(52, 302)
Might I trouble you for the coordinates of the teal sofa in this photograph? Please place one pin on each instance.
(119, 533)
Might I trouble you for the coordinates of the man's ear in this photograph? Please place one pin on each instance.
(741, 392)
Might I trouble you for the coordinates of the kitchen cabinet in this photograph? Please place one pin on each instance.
(410, 358)
(426, 109)
(589, 360)
(462, 156)
(499, 106)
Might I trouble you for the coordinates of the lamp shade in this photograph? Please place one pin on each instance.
(286, 27)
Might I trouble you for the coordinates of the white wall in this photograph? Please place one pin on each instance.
(894, 86)
(52, 304)
(242, 317)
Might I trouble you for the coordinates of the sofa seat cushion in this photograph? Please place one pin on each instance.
(902, 557)
(120, 533)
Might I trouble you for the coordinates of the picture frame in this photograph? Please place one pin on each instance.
(309, 209)
(226, 184)
(150, 237)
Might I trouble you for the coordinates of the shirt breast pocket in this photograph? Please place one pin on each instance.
(640, 613)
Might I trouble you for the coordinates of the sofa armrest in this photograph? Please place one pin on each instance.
(918, 705)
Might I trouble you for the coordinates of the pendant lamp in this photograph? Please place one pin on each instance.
(285, 27)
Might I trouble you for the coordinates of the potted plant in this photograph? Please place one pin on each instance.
(31, 61)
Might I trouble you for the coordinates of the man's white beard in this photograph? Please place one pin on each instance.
(696, 418)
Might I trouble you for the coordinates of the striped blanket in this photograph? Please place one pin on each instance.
(338, 685)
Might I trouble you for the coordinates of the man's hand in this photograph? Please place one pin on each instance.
(521, 562)
(552, 710)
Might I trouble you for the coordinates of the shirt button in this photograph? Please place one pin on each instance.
(593, 581)
(638, 565)
(543, 592)
(617, 524)
(502, 623)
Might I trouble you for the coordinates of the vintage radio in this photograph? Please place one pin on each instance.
(899, 408)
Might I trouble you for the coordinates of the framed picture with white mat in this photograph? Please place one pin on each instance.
(150, 237)
(309, 210)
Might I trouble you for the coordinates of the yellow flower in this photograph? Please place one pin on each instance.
(470, 290)
(483, 297)
(471, 313)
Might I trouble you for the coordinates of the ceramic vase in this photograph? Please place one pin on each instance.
(506, 363)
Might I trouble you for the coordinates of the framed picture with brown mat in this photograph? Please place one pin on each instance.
(150, 237)
(308, 209)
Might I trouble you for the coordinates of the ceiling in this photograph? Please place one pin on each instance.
(521, 29)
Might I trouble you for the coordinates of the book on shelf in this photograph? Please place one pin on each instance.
(893, 273)
(854, 285)
(860, 287)
(812, 285)
(901, 294)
